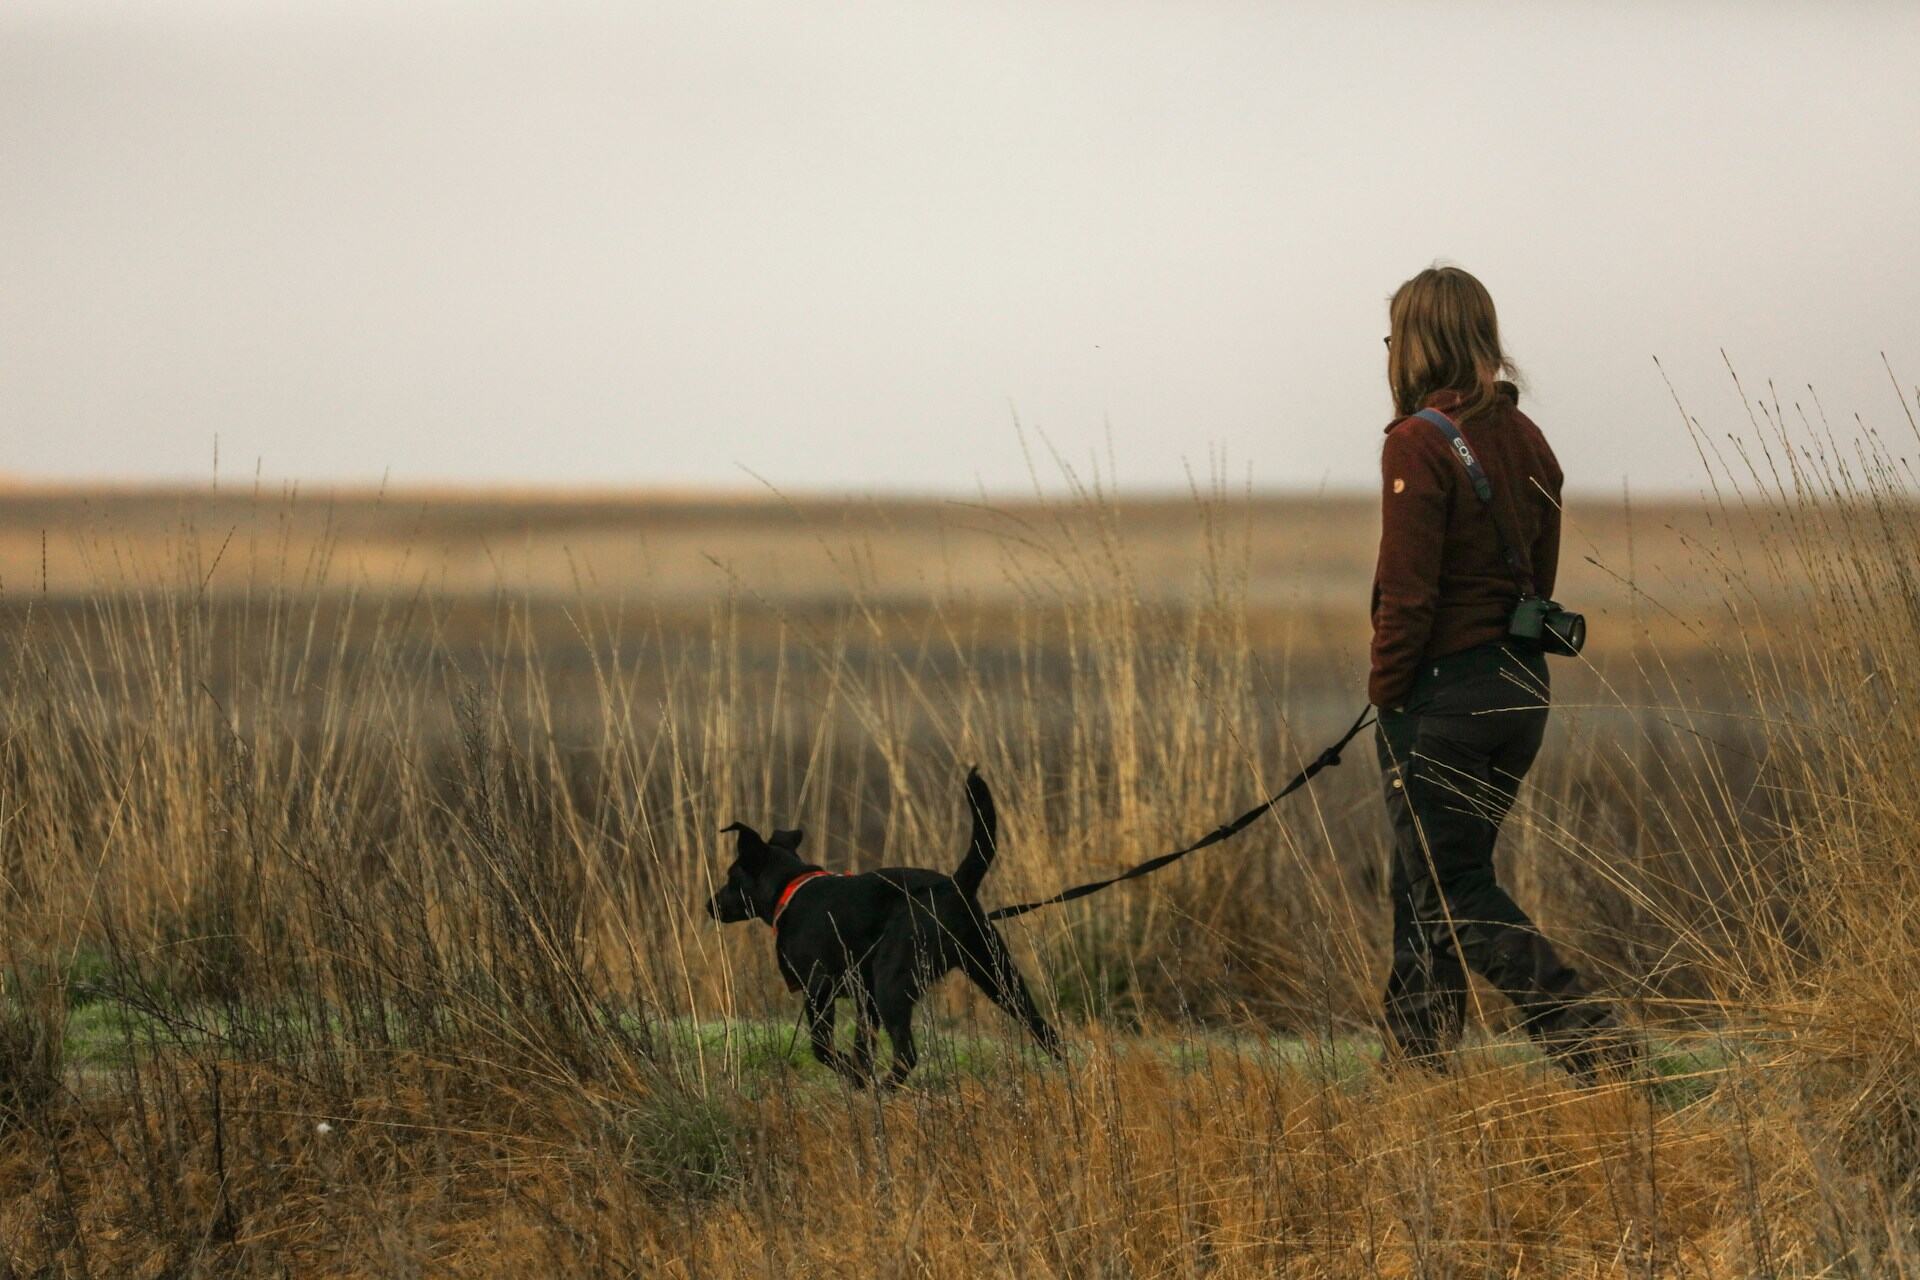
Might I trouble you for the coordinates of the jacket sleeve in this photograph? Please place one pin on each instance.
(1544, 555)
(1414, 495)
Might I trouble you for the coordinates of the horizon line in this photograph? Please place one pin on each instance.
(15, 485)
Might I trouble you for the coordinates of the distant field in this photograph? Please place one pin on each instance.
(392, 813)
(1294, 551)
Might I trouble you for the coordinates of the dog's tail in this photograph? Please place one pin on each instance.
(973, 867)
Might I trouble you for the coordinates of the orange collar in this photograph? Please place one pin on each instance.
(786, 894)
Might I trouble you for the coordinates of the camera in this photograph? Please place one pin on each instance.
(1558, 631)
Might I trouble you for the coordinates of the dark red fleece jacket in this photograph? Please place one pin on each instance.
(1441, 584)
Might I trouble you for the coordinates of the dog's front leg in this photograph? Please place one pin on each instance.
(866, 1017)
(896, 1014)
(820, 1022)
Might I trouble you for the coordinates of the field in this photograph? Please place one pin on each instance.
(353, 848)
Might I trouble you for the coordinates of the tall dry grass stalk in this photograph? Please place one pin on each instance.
(353, 930)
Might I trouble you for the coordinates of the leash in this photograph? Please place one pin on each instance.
(1325, 760)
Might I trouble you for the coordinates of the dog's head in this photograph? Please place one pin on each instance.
(761, 867)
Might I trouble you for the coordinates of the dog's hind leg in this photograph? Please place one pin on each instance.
(988, 963)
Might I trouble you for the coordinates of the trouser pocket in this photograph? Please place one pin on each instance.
(1487, 677)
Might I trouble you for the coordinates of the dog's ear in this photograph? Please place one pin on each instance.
(788, 840)
(748, 837)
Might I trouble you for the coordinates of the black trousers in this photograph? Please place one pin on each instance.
(1452, 760)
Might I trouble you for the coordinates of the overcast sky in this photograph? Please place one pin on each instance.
(845, 245)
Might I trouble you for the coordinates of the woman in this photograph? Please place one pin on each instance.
(1462, 707)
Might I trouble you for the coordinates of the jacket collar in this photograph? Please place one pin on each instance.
(1448, 401)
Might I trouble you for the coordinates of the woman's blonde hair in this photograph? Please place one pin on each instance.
(1444, 336)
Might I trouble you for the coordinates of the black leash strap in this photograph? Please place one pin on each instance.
(1325, 760)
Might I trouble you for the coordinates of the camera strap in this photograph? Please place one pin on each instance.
(1483, 489)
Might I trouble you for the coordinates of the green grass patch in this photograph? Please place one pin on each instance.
(749, 1054)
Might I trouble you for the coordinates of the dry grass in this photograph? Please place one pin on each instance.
(351, 850)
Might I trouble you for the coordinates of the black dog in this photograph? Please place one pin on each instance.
(883, 938)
